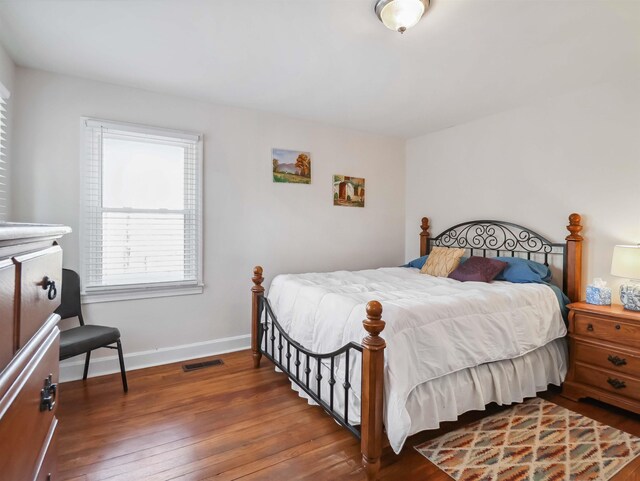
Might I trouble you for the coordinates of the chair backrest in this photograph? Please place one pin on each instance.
(70, 297)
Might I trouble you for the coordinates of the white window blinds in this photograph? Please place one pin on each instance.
(142, 210)
(4, 188)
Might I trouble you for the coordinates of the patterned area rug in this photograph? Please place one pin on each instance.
(533, 441)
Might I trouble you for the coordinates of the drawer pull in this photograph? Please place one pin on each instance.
(616, 361)
(48, 394)
(617, 327)
(48, 284)
(616, 383)
(589, 327)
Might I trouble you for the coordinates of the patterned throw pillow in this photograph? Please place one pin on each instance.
(442, 261)
(479, 269)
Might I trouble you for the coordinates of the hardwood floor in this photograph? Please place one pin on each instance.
(234, 422)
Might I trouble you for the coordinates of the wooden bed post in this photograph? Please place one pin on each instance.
(573, 268)
(372, 390)
(257, 291)
(424, 236)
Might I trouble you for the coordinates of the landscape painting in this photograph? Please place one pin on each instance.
(348, 191)
(291, 166)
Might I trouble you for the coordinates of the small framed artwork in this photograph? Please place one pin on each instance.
(348, 191)
(291, 166)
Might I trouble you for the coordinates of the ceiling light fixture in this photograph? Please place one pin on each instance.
(400, 15)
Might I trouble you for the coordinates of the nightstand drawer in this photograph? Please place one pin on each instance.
(40, 280)
(31, 401)
(613, 330)
(48, 465)
(607, 357)
(611, 381)
(7, 292)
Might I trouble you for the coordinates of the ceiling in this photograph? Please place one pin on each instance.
(332, 60)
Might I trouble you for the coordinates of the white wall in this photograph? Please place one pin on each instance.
(534, 166)
(7, 69)
(7, 79)
(249, 220)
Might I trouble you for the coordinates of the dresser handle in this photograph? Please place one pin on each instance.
(616, 361)
(48, 394)
(616, 383)
(617, 327)
(589, 327)
(48, 284)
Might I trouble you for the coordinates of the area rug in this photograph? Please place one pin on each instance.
(533, 441)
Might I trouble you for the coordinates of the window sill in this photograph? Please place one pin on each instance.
(131, 294)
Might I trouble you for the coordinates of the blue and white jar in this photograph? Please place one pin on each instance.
(630, 296)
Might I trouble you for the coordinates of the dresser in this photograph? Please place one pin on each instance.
(30, 286)
(604, 355)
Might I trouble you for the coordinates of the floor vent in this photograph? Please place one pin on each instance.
(200, 365)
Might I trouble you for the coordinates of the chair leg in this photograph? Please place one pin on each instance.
(86, 366)
(125, 386)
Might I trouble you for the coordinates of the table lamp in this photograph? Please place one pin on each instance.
(626, 263)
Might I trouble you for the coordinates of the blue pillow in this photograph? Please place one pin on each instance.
(523, 271)
(417, 263)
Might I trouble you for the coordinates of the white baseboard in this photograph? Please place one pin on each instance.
(71, 370)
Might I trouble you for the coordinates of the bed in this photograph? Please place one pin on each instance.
(448, 346)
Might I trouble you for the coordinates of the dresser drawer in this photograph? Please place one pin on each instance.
(24, 425)
(37, 296)
(613, 330)
(49, 465)
(7, 333)
(611, 381)
(608, 357)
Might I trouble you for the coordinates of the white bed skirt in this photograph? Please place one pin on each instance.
(503, 382)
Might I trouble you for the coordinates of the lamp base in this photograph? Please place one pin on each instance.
(630, 296)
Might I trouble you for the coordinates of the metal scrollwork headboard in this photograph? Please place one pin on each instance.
(496, 237)
(492, 238)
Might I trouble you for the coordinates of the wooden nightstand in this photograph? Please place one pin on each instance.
(604, 355)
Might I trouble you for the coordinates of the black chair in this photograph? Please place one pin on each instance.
(86, 338)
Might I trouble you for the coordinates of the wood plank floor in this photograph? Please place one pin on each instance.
(234, 422)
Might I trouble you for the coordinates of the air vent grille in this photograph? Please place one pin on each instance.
(201, 365)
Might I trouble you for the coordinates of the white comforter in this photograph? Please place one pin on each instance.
(434, 326)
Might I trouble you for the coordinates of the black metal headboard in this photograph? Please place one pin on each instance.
(493, 238)
(496, 238)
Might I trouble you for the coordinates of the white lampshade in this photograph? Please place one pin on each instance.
(626, 262)
(400, 15)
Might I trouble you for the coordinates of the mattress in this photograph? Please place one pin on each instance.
(436, 328)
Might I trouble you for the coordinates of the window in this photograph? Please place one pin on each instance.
(142, 212)
(4, 181)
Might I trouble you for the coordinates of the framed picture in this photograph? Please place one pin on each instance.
(348, 191)
(291, 166)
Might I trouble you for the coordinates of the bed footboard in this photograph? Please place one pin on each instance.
(372, 390)
(316, 373)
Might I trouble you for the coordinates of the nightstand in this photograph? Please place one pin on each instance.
(604, 355)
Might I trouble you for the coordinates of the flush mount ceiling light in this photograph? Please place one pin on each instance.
(400, 15)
